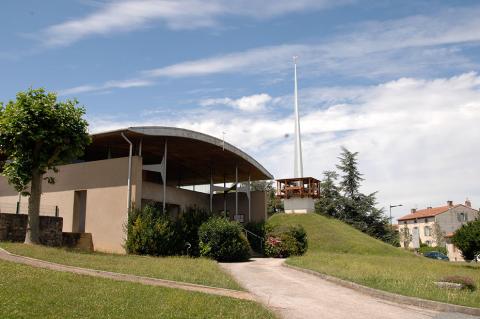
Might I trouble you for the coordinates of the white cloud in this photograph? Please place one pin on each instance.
(130, 83)
(252, 103)
(128, 15)
(416, 138)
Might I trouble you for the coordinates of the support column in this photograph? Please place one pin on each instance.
(236, 189)
(211, 191)
(224, 196)
(249, 200)
(129, 180)
(164, 177)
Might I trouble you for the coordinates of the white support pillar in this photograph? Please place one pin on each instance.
(129, 179)
(211, 191)
(164, 177)
(224, 196)
(236, 189)
(249, 200)
(140, 148)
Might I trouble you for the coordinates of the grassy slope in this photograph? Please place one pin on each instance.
(339, 250)
(27, 292)
(193, 270)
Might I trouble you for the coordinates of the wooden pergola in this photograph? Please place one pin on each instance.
(298, 187)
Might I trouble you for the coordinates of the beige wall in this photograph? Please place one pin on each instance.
(258, 205)
(106, 207)
(177, 196)
(420, 224)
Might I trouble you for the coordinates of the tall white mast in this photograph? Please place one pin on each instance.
(298, 169)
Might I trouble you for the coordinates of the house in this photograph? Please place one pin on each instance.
(173, 168)
(435, 224)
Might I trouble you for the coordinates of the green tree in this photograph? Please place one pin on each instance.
(467, 239)
(328, 202)
(38, 133)
(351, 177)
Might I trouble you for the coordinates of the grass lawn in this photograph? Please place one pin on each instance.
(192, 270)
(339, 250)
(27, 292)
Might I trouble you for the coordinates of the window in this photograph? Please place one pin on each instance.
(462, 217)
(426, 220)
(427, 231)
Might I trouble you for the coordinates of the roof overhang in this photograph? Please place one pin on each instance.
(192, 157)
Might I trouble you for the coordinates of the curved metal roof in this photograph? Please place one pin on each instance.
(191, 155)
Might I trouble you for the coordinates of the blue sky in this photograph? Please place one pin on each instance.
(395, 80)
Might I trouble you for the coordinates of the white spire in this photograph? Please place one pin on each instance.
(298, 169)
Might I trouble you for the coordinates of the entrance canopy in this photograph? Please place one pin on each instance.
(192, 157)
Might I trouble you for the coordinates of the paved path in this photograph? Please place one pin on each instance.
(4, 255)
(294, 294)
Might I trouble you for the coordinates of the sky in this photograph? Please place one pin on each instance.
(395, 81)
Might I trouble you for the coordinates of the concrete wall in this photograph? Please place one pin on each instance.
(296, 205)
(258, 205)
(177, 196)
(449, 222)
(106, 200)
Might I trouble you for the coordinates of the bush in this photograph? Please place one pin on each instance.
(223, 240)
(467, 239)
(466, 282)
(285, 241)
(425, 249)
(150, 232)
(258, 229)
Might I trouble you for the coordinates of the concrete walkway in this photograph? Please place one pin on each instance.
(6, 256)
(294, 294)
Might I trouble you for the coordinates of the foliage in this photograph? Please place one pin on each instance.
(338, 249)
(345, 201)
(152, 232)
(285, 241)
(223, 240)
(467, 239)
(405, 236)
(188, 225)
(38, 133)
(328, 203)
(425, 248)
(258, 228)
(466, 282)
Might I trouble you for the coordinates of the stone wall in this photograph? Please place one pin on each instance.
(14, 227)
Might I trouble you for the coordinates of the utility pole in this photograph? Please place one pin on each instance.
(392, 206)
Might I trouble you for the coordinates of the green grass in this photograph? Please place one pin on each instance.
(339, 250)
(27, 292)
(192, 270)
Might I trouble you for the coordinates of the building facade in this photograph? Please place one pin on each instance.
(130, 168)
(435, 225)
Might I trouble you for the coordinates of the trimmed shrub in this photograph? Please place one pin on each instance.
(467, 239)
(223, 240)
(285, 241)
(150, 232)
(187, 227)
(466, 282)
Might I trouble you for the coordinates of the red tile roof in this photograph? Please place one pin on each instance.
(428, 212)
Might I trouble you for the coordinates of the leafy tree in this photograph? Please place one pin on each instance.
(351, 177)
(467, 239)
(38, 133)
(347, 203)
(405, 236)
(328, 202)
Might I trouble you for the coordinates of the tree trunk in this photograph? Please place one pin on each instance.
(33, 226)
